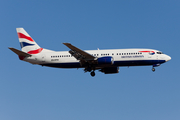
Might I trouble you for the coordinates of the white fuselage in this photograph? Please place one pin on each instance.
(106, 61)
(122, 57)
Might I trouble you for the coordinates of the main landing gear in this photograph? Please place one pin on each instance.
(91, 70)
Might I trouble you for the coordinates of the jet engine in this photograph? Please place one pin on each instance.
(105, 60)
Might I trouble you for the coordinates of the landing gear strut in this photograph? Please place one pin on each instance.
(92, 73)
(153, 69)
(90, 69)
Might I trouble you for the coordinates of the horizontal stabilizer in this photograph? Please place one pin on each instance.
(19, 53)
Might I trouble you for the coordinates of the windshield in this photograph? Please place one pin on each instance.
(159, 53)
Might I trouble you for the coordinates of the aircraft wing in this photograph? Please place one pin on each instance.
(78, 53)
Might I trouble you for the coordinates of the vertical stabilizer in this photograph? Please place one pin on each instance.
(28, 45)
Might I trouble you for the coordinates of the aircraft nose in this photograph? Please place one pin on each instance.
(168, 58)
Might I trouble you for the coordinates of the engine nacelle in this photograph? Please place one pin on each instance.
(110, 70)
(105, 60)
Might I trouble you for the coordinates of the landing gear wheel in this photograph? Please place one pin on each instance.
(153, 69)
(93, 74)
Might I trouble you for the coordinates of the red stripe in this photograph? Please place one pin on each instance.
(35, 51)
(147, 51)
(21, 57)
(20, 35)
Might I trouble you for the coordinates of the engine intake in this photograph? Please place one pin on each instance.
(106, 60)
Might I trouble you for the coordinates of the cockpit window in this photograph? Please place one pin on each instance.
(159, 53)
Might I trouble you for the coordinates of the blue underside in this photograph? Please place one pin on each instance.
(116, 63)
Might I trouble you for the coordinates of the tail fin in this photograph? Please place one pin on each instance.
(28, 45)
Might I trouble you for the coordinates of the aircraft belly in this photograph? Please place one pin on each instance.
(64, 65)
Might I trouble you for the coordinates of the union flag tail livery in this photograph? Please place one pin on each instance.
(106, 61)
(28, 45)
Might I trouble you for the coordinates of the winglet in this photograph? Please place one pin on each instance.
(67, 44)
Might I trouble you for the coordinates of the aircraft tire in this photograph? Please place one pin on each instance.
(153, 69)
(93, 74)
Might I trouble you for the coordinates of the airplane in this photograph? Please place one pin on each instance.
(106, 61)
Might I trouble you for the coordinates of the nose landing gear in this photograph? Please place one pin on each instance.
(92, 73)
(155, 65)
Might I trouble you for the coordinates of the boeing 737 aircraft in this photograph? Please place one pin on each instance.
(106, 61)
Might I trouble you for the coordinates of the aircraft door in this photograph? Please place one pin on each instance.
(149, 55)
(157, 57)
(43, 58)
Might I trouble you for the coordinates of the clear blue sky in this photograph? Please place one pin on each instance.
(32, 92)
